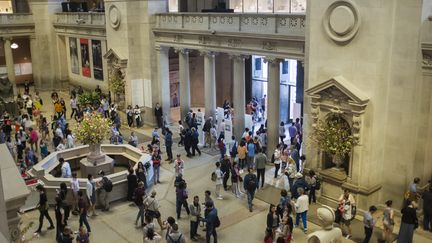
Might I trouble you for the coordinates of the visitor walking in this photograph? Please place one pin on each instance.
(181, 198)
(152, 206)
(137, 116)
(346, 205)
(66, 171)
(129, 115)
(369, 223)
(225, 168)
(312, 186)
(195, 141)
(250, 154)
(74, 186)
(388, 222)
(250, 186)
(159, 115)
(179, 166)
(139, 195)
(195, 217)
(206, 129)
(105, 186)
(235, 179)
(260, 162)
(82, 205)
(212, 222)
(219, 180)
(241, 153)
(141, 173)
(427, 208)
(91, 194)
(60, 217)
(282, 132)
(409, 223)
(168, 144)
(292, 130)
(302, 206)
(43, 208)
(156, 158)
(272, 220)
(276, 159)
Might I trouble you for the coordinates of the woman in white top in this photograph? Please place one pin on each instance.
(74, 186)
(70, 141)
(152, 237)
(302, 206)
(137, 114)
(74, 105)
(277, 160)
(346, 205)
(388, 222)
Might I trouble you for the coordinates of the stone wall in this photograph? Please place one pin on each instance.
(383, 61)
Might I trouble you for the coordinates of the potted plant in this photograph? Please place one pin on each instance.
(92, 98)
(333, 136)
(92, 130)
(117, 83)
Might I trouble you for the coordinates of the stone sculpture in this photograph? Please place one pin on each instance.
(328, 234)
(6, 89)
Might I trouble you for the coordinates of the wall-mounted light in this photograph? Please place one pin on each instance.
(14, 45)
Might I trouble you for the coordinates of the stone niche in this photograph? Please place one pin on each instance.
(341, 97)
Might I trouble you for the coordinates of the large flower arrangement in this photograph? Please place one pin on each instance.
(116, 81)
(334, 137)
(93, 129)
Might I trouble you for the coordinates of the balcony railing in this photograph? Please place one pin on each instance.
(267, 24)
(76, 19)
(16, 19)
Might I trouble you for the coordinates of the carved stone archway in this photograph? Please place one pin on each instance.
(116, 65)
(339, 96)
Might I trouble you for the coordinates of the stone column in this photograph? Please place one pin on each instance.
(209, 84)
(184, 81)
(164, 81)
(10, 63)
(273, 110)
(35, 67)
(239, 99)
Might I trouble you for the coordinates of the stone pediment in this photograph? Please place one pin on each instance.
(338, 89)
(113, 58)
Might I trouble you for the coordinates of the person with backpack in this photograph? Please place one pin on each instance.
(181, 198)
(139, 195)
(212, 222)
(250, 185)
(175, 236)
(106, 186)
(233, 147)
(206, 129)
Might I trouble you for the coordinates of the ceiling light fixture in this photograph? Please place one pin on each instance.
(14, 46)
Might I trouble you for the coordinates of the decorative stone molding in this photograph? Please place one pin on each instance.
(178, 38)
(427, 58)
(234, 42)
(183, 51)
(115, 60)
(272, 60)
(342, 21)
(207, 53)
(239, 57)
(114, 16)
(204, 39)
(268, 45)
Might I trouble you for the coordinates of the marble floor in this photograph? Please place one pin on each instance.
(237, 223)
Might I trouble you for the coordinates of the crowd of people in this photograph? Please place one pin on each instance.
(240, 169)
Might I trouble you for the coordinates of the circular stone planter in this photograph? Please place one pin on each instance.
(122, 156)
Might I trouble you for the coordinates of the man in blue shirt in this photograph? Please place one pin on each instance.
(212, 221)
(250, 154)
(292, 130)
(369, 223)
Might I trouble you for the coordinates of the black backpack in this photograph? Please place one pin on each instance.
(252, 184)
(317, 183)
(107, 185)
(217, 222)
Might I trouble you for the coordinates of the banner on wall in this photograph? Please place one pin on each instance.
(73, 49)
(97, 59)
(85, 58)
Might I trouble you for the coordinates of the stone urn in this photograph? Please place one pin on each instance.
(337, 159)
(95, 154)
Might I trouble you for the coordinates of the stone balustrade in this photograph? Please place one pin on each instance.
(77, 19)
(263, 24)
(17, 19)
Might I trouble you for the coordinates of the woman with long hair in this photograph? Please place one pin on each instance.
(388, 222)
(272, 220)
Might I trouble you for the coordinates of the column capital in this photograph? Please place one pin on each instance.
(238, 57)
(183, 51)
(161, 48)
(6, 39)
(208, 53)
(273, 60)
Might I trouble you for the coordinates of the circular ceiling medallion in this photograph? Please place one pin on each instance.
(342, 21)
(114, 16)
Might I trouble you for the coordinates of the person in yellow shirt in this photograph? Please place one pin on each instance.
(58, 108)
(241, 153)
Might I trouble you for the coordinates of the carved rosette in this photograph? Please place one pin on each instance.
(342, 21)
(114, 16)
